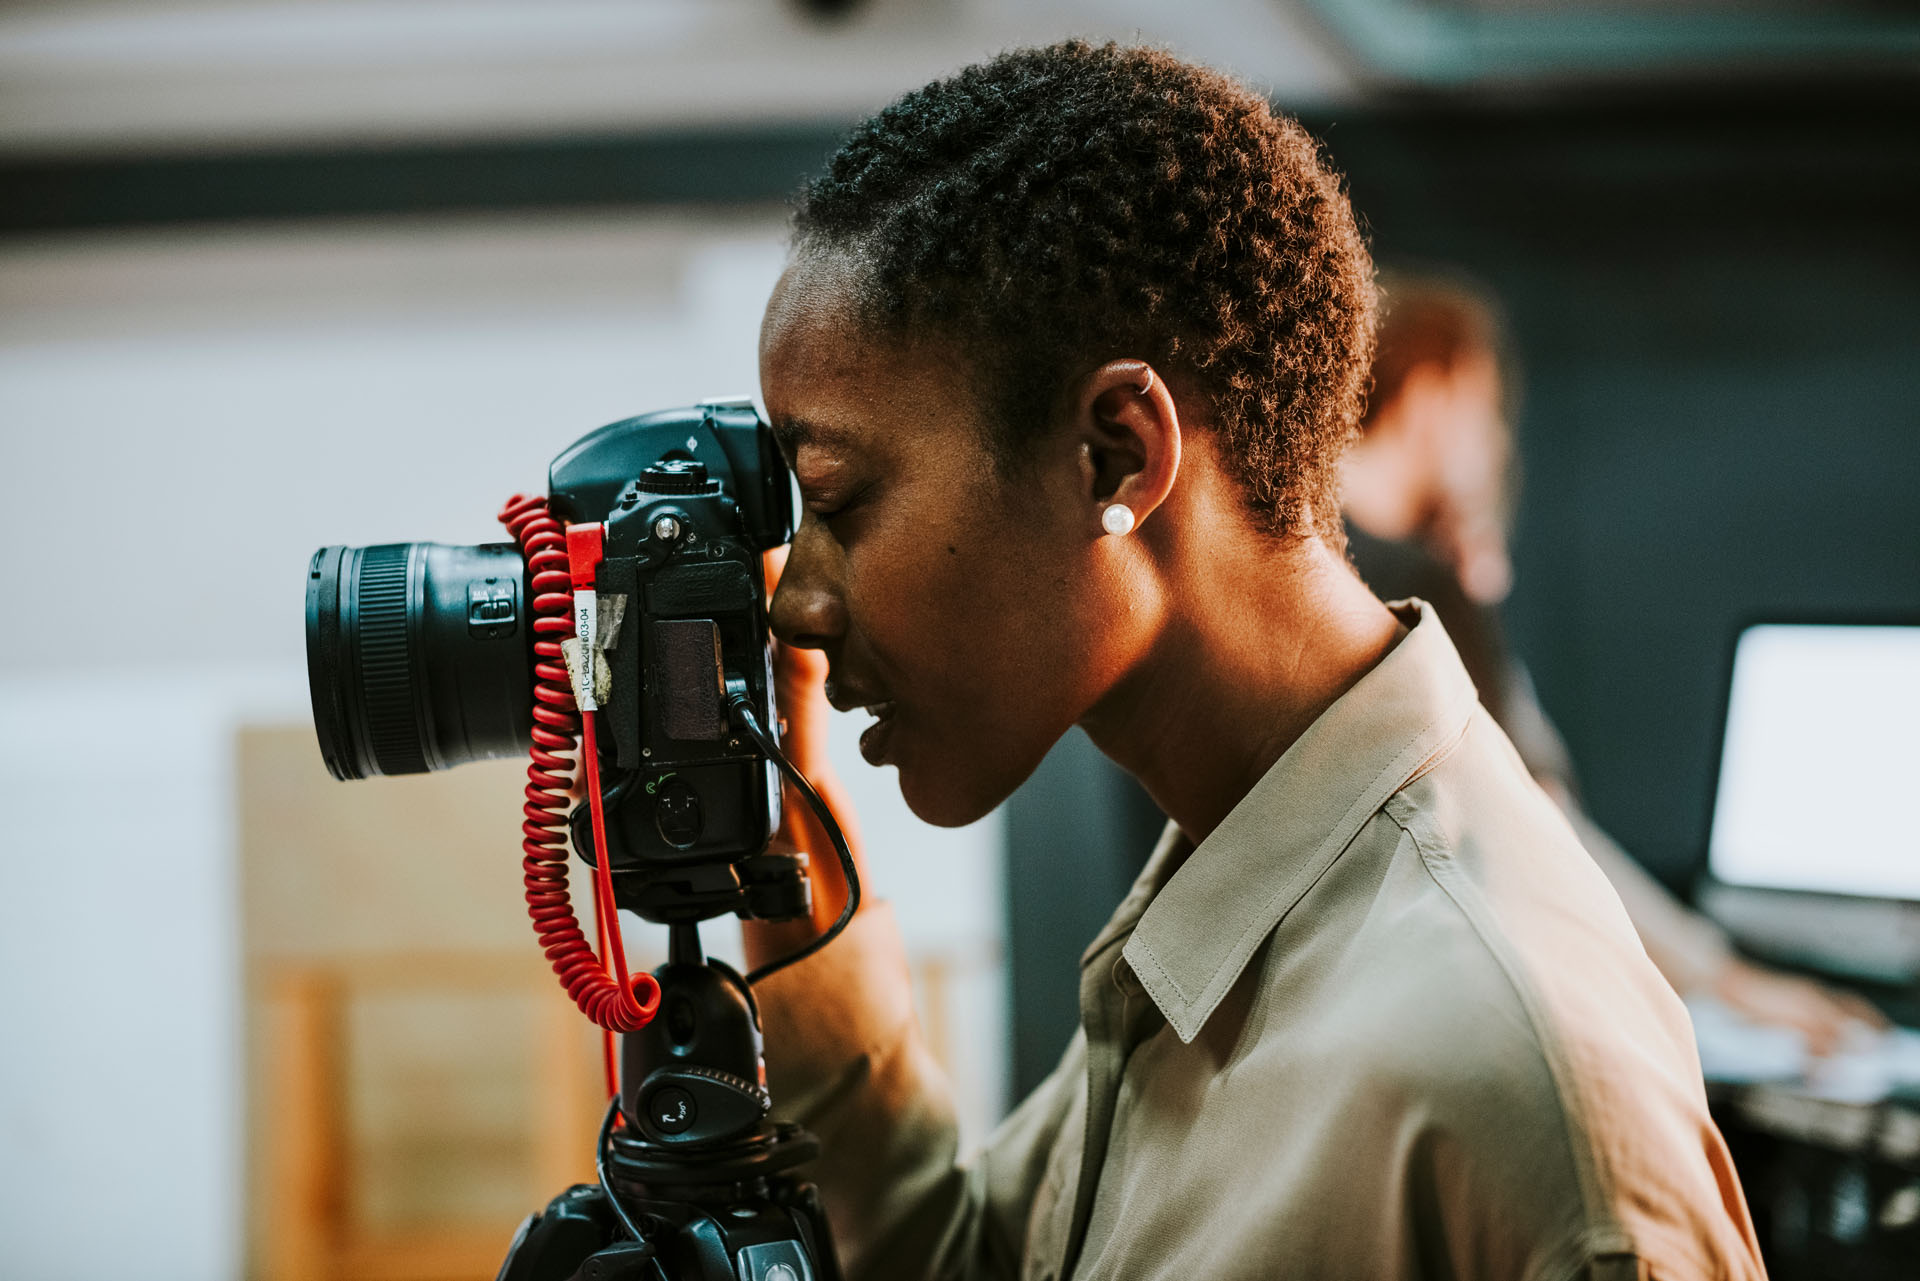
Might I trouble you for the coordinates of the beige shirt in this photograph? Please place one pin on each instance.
(1690, 949)
(1388, 1020)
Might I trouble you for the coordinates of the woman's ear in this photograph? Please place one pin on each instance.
(1127, 441)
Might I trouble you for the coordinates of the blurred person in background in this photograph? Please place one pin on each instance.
(1064, 359)
(1429, 491)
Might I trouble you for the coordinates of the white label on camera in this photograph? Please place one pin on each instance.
(586, 616)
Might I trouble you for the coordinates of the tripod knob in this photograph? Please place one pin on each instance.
(691, 1103)
(627, 1261)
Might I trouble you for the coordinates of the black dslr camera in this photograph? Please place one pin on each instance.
(635, 591)
(420, 656)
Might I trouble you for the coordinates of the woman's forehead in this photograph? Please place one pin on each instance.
(831, 381)
(815, 290)
(812, 328)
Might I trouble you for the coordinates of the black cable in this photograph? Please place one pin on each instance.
(600, 1168)
(744, 717)
(606, 1187)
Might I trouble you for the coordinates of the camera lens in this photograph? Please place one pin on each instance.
(419, 656)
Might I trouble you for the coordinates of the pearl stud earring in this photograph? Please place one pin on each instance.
(1117, 519)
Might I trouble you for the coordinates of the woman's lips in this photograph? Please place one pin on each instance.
(877, 736)
(874, 741)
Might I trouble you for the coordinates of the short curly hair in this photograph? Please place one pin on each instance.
(1060, 206)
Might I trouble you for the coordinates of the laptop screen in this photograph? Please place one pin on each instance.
(1820, 764)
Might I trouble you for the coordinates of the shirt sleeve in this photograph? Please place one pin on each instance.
(845, 1058)
(1688, 949)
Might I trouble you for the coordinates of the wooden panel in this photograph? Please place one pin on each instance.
(419, 1082)
(304, 1155)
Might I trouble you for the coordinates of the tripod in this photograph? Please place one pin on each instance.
(695, 1182)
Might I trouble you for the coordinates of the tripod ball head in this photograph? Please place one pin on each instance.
(695, 1075)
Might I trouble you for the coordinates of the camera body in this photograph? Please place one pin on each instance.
(689, 499)
(420, 656)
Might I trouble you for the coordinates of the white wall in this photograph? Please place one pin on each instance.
(183, 419)
(120, 1087)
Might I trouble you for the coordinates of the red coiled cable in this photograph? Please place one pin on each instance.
(604, 998)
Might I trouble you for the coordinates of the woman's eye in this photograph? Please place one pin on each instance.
(828, 506)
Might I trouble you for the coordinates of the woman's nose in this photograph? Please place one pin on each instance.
(807, 610)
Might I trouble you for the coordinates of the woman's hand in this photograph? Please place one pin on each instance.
(799, 678)
(800, 690)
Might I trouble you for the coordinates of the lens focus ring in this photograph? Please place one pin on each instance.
(386, 663)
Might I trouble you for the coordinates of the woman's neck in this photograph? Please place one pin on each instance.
(1256, 648)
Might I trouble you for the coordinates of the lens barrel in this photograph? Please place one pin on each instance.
(419, 656)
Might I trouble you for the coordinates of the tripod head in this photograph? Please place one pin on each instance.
(695, 1181)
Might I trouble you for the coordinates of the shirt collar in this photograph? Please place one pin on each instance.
(1200, 926)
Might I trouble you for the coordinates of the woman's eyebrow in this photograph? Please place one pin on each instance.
(792, 433)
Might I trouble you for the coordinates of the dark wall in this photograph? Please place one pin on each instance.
(1715, 302)
(1716, 306)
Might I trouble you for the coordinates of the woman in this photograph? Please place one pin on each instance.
(1064, 361)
